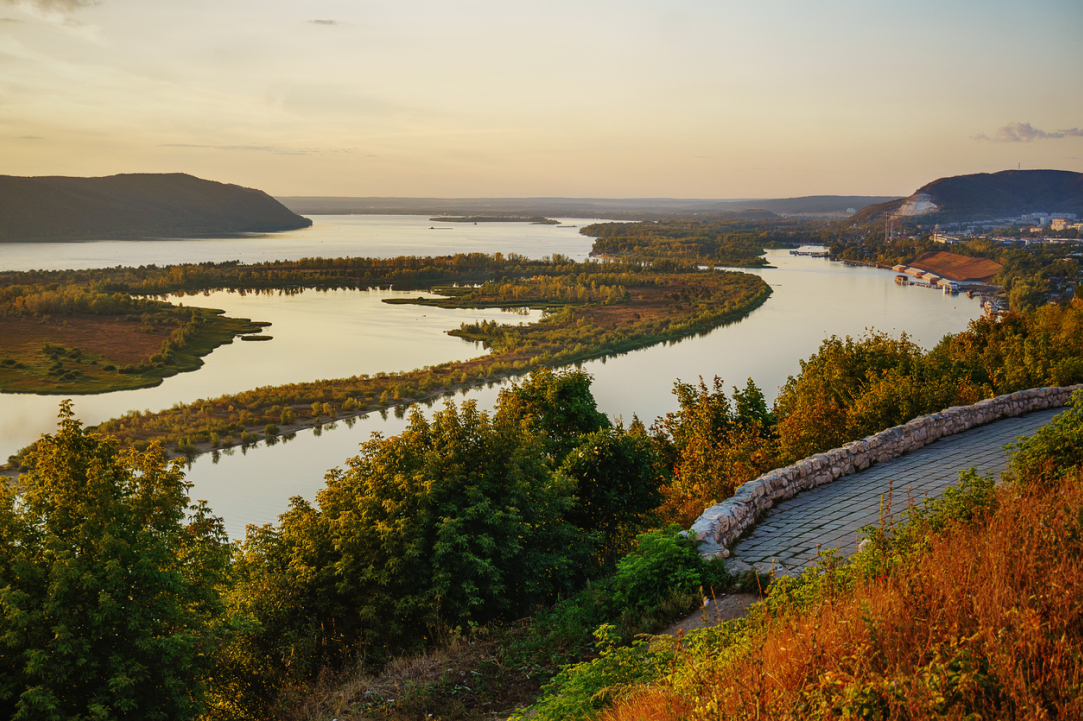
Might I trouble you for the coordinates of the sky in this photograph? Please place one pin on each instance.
(516, 98)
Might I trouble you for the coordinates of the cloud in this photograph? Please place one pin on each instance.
(10, 20)
(30, 137)
(1025, 133)
(324, 22)
(54, 6)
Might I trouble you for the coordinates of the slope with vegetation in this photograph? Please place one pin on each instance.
(969, 608)
(150, 205)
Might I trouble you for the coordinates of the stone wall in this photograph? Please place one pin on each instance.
(721, 524)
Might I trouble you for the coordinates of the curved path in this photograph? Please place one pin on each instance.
(828, 516)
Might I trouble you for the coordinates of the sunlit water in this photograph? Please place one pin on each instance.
(325, 335)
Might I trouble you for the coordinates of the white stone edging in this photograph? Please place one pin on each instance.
(721, 524)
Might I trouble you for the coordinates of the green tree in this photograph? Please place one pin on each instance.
(108, 590)
(712, 445)
(559, 405)
(618, 478)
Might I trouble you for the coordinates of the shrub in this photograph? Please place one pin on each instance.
(664, 561)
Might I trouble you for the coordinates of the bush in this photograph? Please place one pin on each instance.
(1054, 449)
(665, 561)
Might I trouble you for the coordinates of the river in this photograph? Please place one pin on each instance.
(339, 333)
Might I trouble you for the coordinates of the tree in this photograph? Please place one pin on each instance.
(712, 446)
(618, 478)
(109, 603)
(558, 405)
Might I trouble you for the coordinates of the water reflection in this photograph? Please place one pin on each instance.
(315, 335)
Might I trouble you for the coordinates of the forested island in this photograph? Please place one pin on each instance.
(535, 219)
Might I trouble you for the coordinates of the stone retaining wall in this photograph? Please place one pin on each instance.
(721, 524)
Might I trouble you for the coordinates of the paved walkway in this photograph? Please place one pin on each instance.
(830, 515)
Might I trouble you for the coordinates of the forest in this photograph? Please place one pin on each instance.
(490, 545)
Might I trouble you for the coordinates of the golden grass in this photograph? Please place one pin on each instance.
(987, 623)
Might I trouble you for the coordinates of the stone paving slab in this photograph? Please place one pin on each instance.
(828, 516)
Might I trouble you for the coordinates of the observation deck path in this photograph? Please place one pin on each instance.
(787, 535)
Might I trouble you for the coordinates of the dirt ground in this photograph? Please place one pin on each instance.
(724, 608)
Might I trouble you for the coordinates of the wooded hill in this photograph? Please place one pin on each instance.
(145, 205)
(985, 196)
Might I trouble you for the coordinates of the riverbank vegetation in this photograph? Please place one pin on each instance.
(70, 339)
(445, 536)
(593, 310)
(456, 568)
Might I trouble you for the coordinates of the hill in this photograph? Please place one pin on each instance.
(134, 206)
(985, 196)
(614, 208)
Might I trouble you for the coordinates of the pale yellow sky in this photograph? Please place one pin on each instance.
(686, 98)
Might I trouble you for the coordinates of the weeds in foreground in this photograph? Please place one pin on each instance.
(974, 611)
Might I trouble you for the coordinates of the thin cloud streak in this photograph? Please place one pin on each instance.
(54, 6)
(1026, 133)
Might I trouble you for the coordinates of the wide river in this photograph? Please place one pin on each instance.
(339, 333)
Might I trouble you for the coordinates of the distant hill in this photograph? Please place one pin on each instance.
(614, 208)
(986, 196)
(134, 206)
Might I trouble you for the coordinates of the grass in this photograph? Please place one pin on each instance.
(81, 354)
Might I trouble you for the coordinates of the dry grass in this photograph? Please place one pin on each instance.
(987, 623)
